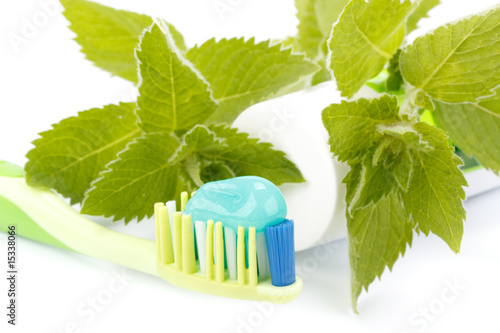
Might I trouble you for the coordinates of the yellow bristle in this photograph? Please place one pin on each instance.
(184, 200)
(252, 257)
(157, 228)
(240, 256)
(167, 252)
(188, 256)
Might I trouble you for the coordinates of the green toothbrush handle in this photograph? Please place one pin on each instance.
(13, 216)
(42, 216)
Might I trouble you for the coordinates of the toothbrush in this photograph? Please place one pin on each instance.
(43, 216)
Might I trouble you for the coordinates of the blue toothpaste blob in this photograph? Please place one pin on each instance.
(247, 201)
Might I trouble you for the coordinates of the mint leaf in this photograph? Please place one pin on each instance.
(242, 73)
(321, 76)
(377, 179)
(402, 169)
(315, 23)
(474, 128)
(366, 36)
(220, 152)
(435, 195)
(173, 94)
(310, 35)
(196, 140)
(352, 126)
(395, 79)
(457, 62)
(378, 234)
(68, 157)
(109, 36)
(423, 7)
(141, 176)
(245, 156)
(215, 171)
(386, 167)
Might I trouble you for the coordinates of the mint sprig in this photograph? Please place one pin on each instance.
(404, 176)
(404, 173)
(119, 162)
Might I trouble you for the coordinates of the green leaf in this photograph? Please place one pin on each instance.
(216, 171)
(475, 128)
(419, 13)
(378, 234)
(321, 76)
(377, 180)
(68, 157)
(352, 126)
(386, 167)
(402, 169)
(366, 36)
(246, 156)
(242, 73)
(395, 79)
(315, 23)
(196, 140)
(220, 152)
(173, 94)
(457, 62)
(109, 36)
(141, 176)
(435, 195)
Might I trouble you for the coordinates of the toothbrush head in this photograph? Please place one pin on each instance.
(230, 239)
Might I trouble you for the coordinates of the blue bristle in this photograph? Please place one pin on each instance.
(281, 253)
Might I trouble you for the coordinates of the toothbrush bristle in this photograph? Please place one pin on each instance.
(187, 244)
(230, 242)
(166, 249)
(184, 200)
(262, 261)
(281, 253)
(177, 240)
(172, 208)
(219, 253)
(201, 239)
(188, 255)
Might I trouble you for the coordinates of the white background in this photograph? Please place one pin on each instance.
(47, 79)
